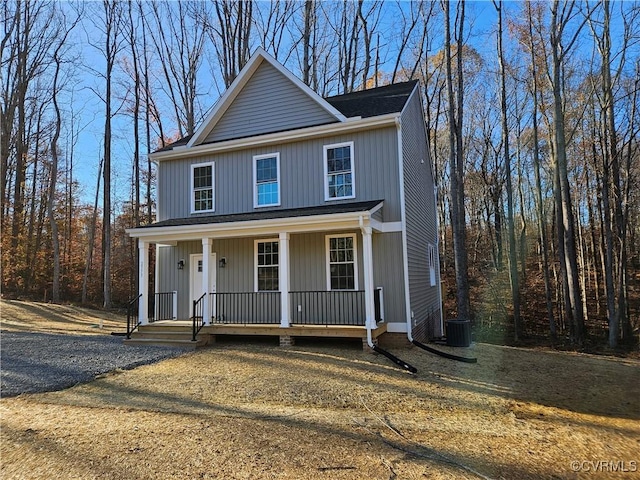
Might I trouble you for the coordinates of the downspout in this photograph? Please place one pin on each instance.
(368, 320)
(435, 212)
(368, 288)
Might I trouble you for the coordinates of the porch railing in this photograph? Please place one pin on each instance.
(163, 306)
(245, 308)
(336, 307)
(197, 315)
(133, 321)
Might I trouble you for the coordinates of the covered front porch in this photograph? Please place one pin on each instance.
(300, 275)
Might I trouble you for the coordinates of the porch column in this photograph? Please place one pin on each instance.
(143, 281)
(283, 282)
(206, 257)
(367, 255)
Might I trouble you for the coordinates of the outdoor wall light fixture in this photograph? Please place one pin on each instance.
(180, 264)
(223, 262)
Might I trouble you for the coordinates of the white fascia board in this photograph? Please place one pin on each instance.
(251, 228)
(389, 119)
(238, 84)
(386, 227)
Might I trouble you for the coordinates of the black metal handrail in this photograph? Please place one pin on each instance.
(198, 318)
(245, 308)
(132, 315)
(334, 307)
(162, 306)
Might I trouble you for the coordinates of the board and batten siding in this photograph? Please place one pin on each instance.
(420, 217)
(269, 102)
(301, 176)
(388, 273)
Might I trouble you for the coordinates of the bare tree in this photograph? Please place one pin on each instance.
(456, 156)
(231, 36)
(179, 35)
(26, 41)
(109, 21)
(542, 225)
(513, 259)
(55, 240)
(562, 13)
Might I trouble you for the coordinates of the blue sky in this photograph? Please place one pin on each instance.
(481, 16)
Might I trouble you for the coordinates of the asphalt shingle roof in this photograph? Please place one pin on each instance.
(375, 101)
(333, 208)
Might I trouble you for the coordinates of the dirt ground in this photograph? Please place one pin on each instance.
(248, 409)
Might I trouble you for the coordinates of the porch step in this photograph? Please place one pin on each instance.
(166, 335)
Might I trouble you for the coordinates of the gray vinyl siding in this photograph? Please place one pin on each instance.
(388, 274)
(308, 267)
(269, 102)
(301, 175)
(420, 220)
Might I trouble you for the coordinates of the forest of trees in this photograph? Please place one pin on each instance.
(532, 110)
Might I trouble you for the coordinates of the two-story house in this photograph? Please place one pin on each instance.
(290, 214)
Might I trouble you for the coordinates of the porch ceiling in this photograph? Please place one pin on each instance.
(321, 218)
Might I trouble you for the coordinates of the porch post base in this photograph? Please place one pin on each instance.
(287, 341)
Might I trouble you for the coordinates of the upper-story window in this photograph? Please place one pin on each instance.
(266, 180)
(338, 171)
(202, 181)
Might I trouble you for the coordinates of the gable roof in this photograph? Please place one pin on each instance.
(227, 99)
(384, 100)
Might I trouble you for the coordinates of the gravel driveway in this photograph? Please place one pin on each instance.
(41, 362)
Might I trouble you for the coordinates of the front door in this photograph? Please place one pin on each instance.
(195, 283)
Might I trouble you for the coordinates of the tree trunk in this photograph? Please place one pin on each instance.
(566, 222)
(513, 254)
(456, 161)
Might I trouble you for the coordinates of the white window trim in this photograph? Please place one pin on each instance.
(355, 260)
(255, 179)
(255, 262)
(192, 200)
(326, 171)
(432, 264)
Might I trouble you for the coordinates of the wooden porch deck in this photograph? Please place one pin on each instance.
(179, 332)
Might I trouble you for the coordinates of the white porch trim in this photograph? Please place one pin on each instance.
(143, 281)
(206, 266)
(283, 279)
(367, 256)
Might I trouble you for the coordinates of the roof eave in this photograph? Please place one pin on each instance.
(252, 228)
(278, 137)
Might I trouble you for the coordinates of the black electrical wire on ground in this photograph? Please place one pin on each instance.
(445, 354)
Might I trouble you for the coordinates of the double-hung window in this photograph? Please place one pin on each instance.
(267, 258)
(342, 266)
(338, 171)
(266, 180)
(202, 182)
